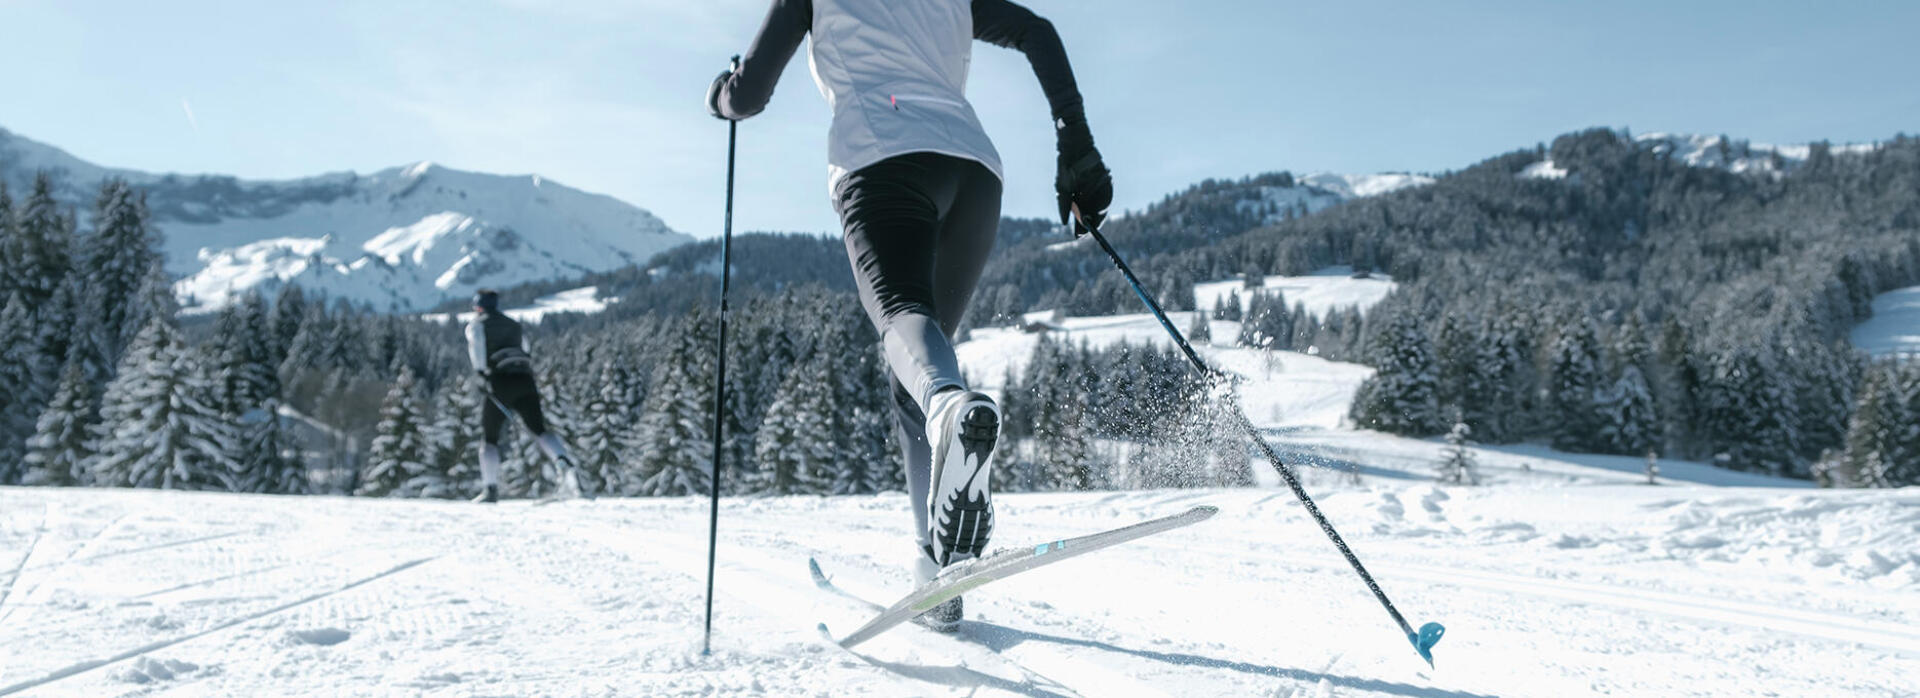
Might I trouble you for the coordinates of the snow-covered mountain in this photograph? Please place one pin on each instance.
(1719, 152)
(404, 237)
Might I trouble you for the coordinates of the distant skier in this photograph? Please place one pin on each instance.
(917, 185)
(498, 349)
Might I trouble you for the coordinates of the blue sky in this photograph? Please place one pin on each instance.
(605, 95)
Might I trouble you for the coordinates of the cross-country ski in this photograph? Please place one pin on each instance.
(978, 572)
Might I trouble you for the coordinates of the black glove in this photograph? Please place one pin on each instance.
(1082, 181)
(484, 373)
(720, 83)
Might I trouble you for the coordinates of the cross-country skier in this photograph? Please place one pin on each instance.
(498, 349)
(917, 185)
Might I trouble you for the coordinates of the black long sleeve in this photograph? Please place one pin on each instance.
(1008, 25)
(787, 24)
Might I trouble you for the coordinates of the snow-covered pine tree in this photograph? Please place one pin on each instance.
(1574, 382)
(21, 395)
(289, 312)
(601, 452)
(120, 265)
(59, 447)
(1200, 330)
(36, 247)
(1402, 397)
(271, 459)
(399, 449)
(795, 447)
(676, 442)
(454, 440)
(1628, 424)
(1457, 465)
(1883, 439)
(158, 427)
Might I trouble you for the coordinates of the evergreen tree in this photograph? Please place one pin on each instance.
(121, 265)
(20, 391)
(604, 440)
(271, 460)
(399, 450)
(1457, 465)
(1628, 425)
(1574, 382)
(795, 447)
(1402, 397)
(454, 440)
(59, 447)
(676, 447)
(35, 246)
(158, 427)
(1200, 330)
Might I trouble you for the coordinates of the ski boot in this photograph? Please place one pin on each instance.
(488, 496)
(962, 427)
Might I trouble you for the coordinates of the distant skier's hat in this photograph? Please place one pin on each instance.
(487, 299)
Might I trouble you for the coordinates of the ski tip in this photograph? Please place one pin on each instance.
(813, 568)
(1204, 511)
(1424, 640)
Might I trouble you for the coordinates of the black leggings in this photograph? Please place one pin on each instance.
(518, 393)
(919, 228)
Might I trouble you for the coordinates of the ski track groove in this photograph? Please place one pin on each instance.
(38, 533)
(58, 566)
(1693, 608)
(90, 665)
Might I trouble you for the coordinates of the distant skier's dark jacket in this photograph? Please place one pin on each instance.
(496, 345)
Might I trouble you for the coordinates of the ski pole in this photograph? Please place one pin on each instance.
(720, 381)
(1429, 634)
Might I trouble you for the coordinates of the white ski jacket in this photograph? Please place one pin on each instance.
(894, 72)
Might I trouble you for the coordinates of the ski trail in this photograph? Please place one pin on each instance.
(136, 551)
(777, 591)
(213, 580)
(54, 569)
(1085, 675)
(1824, 625)
(90, 665)
(1829, 626)
(38, 533)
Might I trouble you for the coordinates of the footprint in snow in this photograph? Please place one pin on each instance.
(149, 670)
(320, 636)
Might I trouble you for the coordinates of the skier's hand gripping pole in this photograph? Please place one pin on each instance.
(1428, 635)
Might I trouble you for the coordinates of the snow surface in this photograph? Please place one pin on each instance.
(1323, 291)
(1544, 169)
(405, 237)
(1548, 588)
(585, 299)
(1358, 186)
(1894, 328)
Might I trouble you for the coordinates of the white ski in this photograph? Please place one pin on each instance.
(972, 574)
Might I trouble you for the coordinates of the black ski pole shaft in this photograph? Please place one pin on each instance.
(720, 383)
(1286, 471)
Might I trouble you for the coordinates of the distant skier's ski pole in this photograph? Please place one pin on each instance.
(720, 381)
(1429, 634)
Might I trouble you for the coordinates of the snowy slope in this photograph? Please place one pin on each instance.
(405, 237)
(585, 300)
(1546, 590)
(1718, 152)
(1894, 328)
